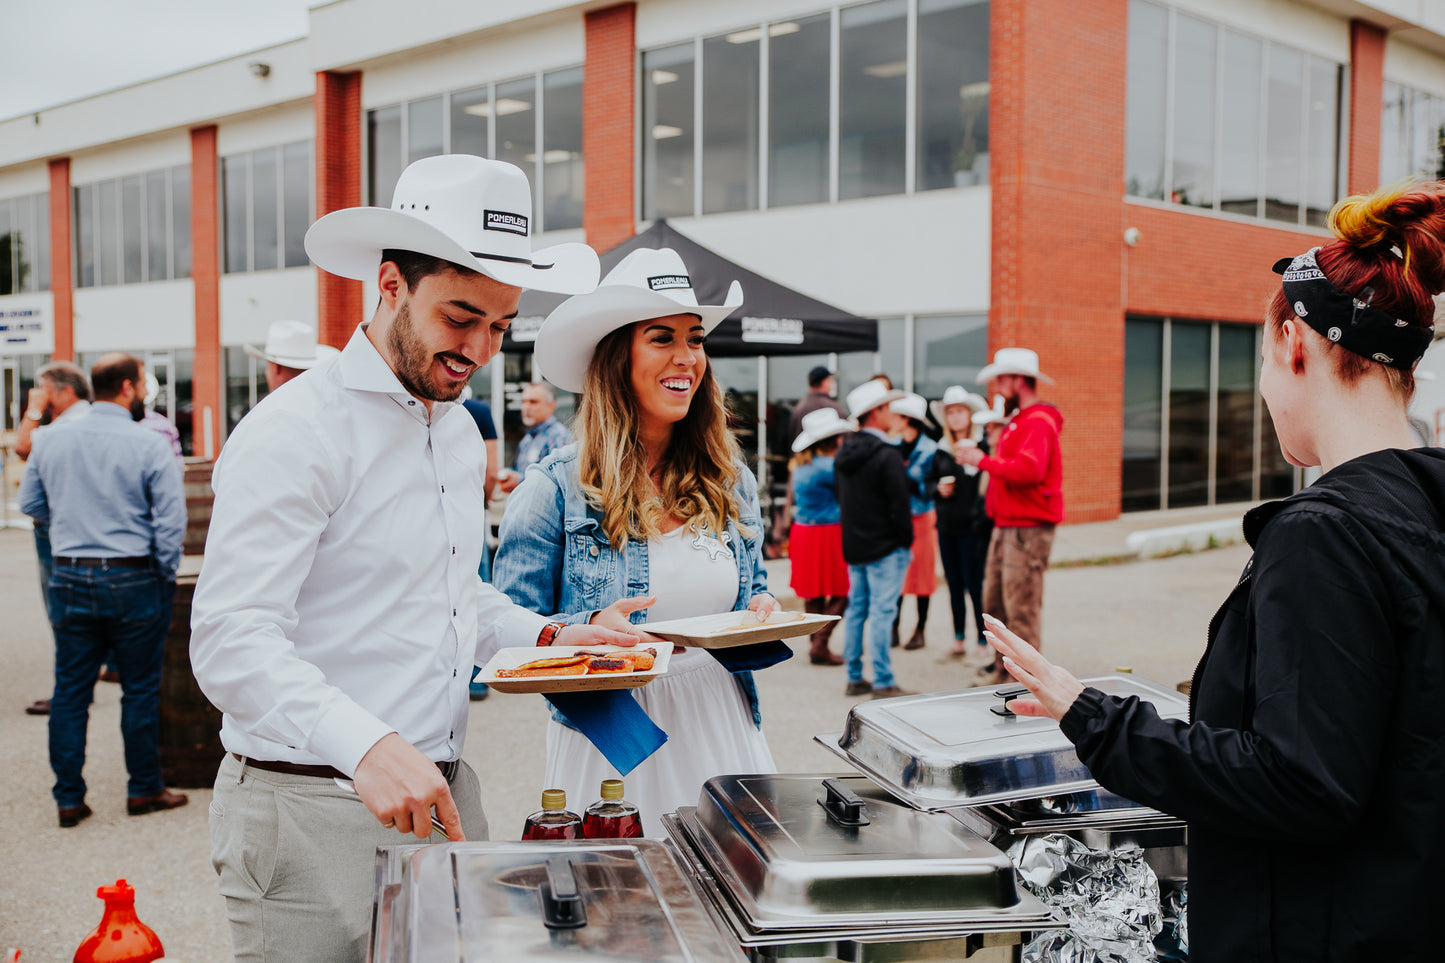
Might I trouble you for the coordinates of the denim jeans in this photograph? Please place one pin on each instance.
(963, 569)
(873, 597)
(95, 611)
(42, 553)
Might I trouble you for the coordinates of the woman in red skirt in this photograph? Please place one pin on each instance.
(922, 576)
(815, 541)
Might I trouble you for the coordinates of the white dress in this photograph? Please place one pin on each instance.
(698, 703)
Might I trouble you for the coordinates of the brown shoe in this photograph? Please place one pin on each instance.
(108, 675)
(889, 692)
(72, 815)
(915, 641)
(819, 655)
(858, 688)
(165, 799)
(40, 707)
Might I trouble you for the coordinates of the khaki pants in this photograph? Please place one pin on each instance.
(1013, 579)
(296, 857)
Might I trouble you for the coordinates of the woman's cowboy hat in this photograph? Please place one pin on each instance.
(292, 344)
(869, 395)
(648, 283)
(912, 406)
(473, 212)
(955, 395)
(989, 416)
(820, 424)
(1013, 361)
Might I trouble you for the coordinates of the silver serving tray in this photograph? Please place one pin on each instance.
(950, 749)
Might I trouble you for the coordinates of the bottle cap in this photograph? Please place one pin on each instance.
(554, 799)
(122, 891)
(612, 789)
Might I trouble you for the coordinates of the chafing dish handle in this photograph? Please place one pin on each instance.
(1007, 695)
(842, 805)
(562, 907)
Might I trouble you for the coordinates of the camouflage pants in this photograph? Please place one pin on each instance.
(1013, 579)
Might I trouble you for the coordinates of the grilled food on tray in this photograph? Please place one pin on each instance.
(583, 663)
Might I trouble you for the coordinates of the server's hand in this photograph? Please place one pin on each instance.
(401, 786)
(1053, 688)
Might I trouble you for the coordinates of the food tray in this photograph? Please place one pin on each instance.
(727, 629)
(510, 658)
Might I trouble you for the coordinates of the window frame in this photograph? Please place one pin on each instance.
(93, 191)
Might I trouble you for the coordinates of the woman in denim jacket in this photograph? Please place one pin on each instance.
(652, 514)
(922, 577)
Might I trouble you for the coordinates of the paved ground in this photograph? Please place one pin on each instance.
(1149, 615)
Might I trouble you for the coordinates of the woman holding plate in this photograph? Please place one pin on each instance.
(651, 515)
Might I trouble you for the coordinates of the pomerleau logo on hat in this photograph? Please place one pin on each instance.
(648, 283)
(292, 344)
(1013, 361)
(820, 424)
(475, 213)
(869, 395)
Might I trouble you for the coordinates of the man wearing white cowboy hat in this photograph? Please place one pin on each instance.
(290, 350)
(339, 611)
(1025, 496)
(873, 498)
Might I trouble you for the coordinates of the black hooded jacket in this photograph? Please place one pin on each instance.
(873, 486)
(1313, 775)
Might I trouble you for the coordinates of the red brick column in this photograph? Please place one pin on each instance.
(62, 281)
(608, 119)
(1057, 172)
(338, 185)
(206, 279)
(1367, 89)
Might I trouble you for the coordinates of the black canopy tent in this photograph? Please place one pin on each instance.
(773, 320)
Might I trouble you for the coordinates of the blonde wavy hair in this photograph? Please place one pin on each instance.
(699, 469)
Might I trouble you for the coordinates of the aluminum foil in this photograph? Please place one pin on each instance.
(1110, 900)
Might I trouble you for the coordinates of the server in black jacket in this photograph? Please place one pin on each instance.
(1313, 772)
(873, 487)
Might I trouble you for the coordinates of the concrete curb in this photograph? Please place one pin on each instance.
(1154, 542)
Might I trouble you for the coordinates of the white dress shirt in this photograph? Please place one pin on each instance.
(339, 599)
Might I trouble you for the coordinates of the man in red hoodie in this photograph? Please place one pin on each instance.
(1025, 496)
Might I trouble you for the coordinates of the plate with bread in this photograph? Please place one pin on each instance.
(574, 668)
(727, 629)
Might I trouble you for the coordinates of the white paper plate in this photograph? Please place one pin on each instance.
(727, 629)
(512, 657)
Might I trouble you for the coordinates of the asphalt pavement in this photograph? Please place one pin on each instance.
(1100, 614)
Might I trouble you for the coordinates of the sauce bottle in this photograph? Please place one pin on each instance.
(611, 817)
(553, 820)
(121, 937)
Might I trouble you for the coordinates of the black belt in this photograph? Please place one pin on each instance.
(133, 561)
(448, 769)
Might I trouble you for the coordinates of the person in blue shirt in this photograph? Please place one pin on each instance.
(818, 573)
(918, 449)
(112, 494)
(545, 434)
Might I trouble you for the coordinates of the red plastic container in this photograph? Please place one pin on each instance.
(121, 937)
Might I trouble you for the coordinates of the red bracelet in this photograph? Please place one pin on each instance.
(549, 632)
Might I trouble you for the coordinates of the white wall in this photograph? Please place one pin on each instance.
(136, 317)
(130, 157)
(661, 22)
(272, 127)
(1410, 65)
(1281, 21)
(24, 179)
(250, 302)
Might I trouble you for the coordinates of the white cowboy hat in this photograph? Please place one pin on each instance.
(956, 395)
(473, 212)
(989, 416)
(648, 283)
(820, 424)
(1015, 361)
(869, 395)
(292, 344)
(912, 406)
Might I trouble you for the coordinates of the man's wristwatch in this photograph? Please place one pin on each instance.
(549, 632)
(34, 415)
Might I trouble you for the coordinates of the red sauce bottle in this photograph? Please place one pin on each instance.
(553, 820)
(121, 937)
(611, 817)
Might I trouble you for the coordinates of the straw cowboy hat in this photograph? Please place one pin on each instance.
(648, 283)
(956, 395)
(869, 395)
(912, 406)
(1013, 361)
(820, 424)
(292, 344)
(473, 212)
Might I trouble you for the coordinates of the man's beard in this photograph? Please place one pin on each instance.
(413, 363)
(137, 409)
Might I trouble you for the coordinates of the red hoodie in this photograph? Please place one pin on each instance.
(1026, 476)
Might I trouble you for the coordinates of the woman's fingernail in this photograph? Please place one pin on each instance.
(990, 618)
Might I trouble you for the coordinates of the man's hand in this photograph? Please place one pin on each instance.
(507, 479)
(945, 488)
(401, 786)
(38, 398)
(967, 452)
(611, 626)
(1054, 689)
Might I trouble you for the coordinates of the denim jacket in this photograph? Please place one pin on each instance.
(555, 558)
(815, 494)
(920, 459)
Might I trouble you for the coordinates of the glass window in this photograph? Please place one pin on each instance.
(1188, 414)
(856, 367)
(423, 129)
(799, 53)
(181, 221)
(1194, 60)
(245, 385)
(948, 351)
(1234, 449)
(296, 206)
(739, 380)
(873, 77)
(234, 209)
(22, 242)
(1394, 126)
(1143, 413)
(132, 232)
(1239, 127)
(667, 126)
(9, 241)
(1323, 184)
(953, 89)
(730, 121)
(383, 154)
(1276, 474)
(1283, 169)
(108, 232)
(85, 236)
(182, 390)
(892, 340)
(471, 109)
(562, 170)
(517, 125)
(265, 210)
(1146, 106)
(42, 242)
(158, 262)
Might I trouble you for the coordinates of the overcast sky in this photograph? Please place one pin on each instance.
(61, 50)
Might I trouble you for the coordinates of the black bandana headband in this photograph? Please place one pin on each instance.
(1350, 322)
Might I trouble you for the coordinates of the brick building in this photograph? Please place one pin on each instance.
(1105, 181)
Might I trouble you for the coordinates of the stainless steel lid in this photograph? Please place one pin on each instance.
(949, 749)
(540, 901)
(812, 852)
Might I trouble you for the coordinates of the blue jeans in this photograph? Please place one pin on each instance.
(42, 553)
(95, 611)
(963, 569)
(873, 597)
